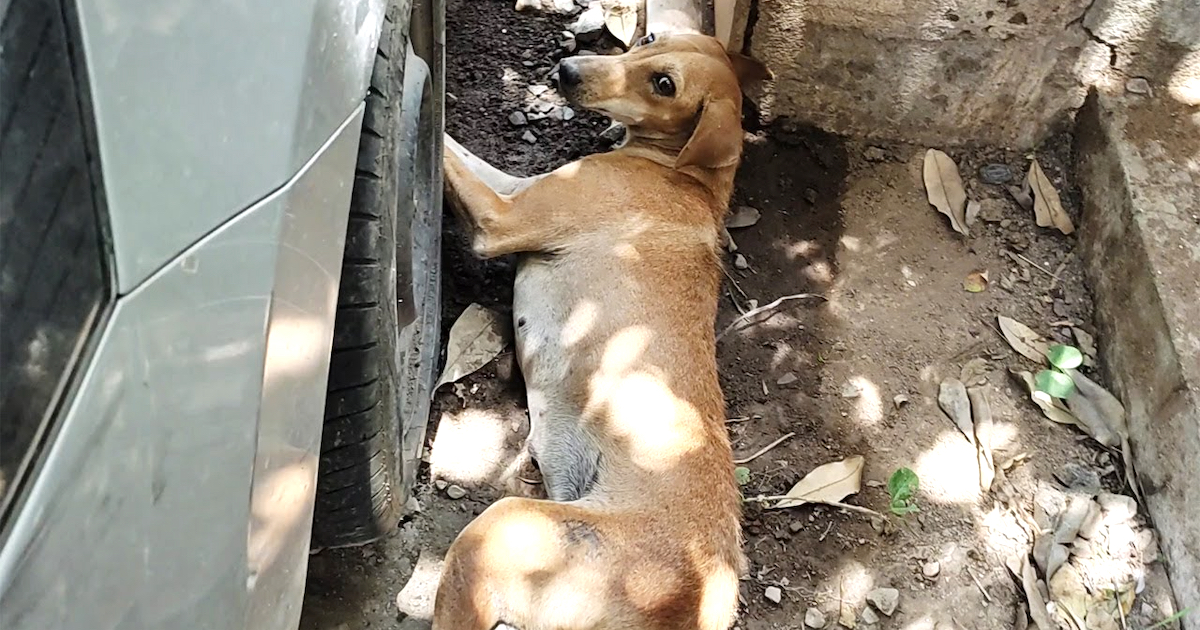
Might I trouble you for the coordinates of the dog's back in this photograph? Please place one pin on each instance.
(615, 315)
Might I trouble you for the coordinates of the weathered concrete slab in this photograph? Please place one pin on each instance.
(1140, 175)
(971, 71)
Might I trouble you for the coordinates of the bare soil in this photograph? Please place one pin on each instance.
(851, 223)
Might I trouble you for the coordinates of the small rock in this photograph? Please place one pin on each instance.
(614, 134)
(455, 492)
(850, 390)
(529, 137)
(899, 400)
(795, 526)
(884, 600)
(517, 119)
(1006, 223)
(931, 569)
(589, 26)
(537, 89)
(874, 154)
(740, 262)
(567, 113)
(869, 616)
(440, 484)
(991, 210)
(773, 594)
(1075, 476)
(559, 7)
(810, 196)
(1118, 508)
(814, 618)
(786, 379)
(412, 505)
(1137, 85)
(995, 173)
(1060, 308)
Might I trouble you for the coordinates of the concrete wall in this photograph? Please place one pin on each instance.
(1002, 72)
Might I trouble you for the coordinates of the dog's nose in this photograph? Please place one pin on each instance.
(568, 73)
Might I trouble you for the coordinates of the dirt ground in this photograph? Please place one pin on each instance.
(849, 222)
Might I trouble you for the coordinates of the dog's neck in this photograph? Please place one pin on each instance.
(665, 151)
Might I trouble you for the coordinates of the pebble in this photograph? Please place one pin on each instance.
(850, 390)
(786, 379)
(814, 618)
(589, 26)
(1137, 85)
(529, 137)
(568, 113)
(537, 89)
(774, 594)
(1006, 223)
(412, 505)
(931, 569)
(796, 526)
(884, 600)
(455, 492)
(614, 134)
(740, 262)
(440, 484)
(517, 119)
(810, 196)
(869, 616)
(995, 173)
(874, 154)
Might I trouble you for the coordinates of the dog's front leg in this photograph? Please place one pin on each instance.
(502, 224)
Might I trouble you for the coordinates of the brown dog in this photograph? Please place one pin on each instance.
(615, 304)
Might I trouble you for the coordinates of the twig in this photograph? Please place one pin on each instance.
(763, 451)
(734, 282)
(844, 506)
(1120, 609)
(978, 585)
(825, 533)
(1062, 265)
(762, 309)
(736, 420)
(532, 482)
(1022, 258)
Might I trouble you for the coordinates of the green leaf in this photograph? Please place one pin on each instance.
(742, 475)
(902, 509)
(1064, 357)
(1172, 619)
(1054, 384)
(902, 486)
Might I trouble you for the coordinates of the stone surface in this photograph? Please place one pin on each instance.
(884, 600)
(814, 618)
(973, 71)
(1140, 172)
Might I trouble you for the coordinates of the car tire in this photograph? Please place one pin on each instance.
(385, 343)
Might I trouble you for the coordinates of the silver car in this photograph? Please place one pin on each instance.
(219, 269)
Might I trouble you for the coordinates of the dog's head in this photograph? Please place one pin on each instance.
(670, 88)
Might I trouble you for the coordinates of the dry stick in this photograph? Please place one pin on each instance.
(763, 451)
(979, 585)
(1022, 258)
(837, 504)
(734, 282)
(1062, 265)
(762, 309)
(736, 420)
(1120, 609)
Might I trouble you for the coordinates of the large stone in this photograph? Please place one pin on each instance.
(1140, 176)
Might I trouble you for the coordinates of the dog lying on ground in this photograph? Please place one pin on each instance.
(614, 306)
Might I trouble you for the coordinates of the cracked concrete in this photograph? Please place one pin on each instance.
(1007, 73)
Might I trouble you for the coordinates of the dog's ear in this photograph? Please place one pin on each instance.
(749, 70)
(717, 140)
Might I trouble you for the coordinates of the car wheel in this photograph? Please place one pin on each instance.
(385, 344)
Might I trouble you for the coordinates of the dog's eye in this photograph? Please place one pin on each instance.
(648, 39)
(663, 85)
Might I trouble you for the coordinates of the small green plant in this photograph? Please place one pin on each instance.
(1056, 382)
(1172, 619)
(741, 474)
(902, 486)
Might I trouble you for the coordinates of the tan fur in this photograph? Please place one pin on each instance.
(616, 304)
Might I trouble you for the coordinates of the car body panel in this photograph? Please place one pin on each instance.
(204, 107)
(142, 514)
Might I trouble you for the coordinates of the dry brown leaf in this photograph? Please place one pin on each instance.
(1022, 195)
(742, 217)
(621, 18)
(976, 281)
(476, 337)
(952, 398)
(829, 483)
(1051, 408)
(1033, 595)
(1023, 339)
(981, 418)
(1047, 207)
(944, 187)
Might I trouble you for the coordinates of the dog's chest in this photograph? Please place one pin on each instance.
(551, 315)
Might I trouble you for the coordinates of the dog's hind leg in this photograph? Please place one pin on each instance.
(565, 453)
